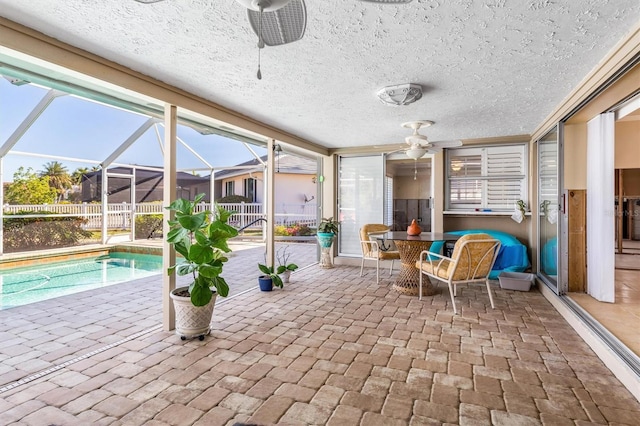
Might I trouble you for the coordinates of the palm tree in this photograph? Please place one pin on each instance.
(59, 178)
(76, 176)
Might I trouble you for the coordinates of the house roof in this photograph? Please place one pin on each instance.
(284, 164)
(144, 174)
(487, 68)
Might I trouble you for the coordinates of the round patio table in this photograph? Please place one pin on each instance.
(409, 247)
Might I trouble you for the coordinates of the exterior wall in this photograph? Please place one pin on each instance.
(290, 188)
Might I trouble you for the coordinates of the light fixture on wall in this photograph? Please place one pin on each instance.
(456, 165)
(401, 94)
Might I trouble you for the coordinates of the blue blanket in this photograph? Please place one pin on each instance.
(512, 256)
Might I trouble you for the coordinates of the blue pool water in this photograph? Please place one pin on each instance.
(21, 286)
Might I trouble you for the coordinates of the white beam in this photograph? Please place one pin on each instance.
(169, 194)
(127, 143)
(29, 120)
(270, 205)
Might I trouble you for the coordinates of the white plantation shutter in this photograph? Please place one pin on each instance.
(548, 169)
(492, 178)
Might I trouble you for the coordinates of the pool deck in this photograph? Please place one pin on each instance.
(330, 348)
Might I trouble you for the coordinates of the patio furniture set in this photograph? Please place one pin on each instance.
(469, 256)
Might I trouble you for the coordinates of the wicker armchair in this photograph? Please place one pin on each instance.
(471, 261)
(371, 247)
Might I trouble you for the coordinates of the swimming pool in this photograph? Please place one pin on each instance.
(24, 285)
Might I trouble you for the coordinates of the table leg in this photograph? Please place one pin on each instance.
(409, 277)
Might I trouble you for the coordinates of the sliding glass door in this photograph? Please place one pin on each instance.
(549, 208)
(361, 198)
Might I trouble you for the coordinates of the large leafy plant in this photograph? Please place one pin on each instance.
(201, 239)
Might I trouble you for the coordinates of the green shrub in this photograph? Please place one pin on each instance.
(148, 226)
(29, 233)
(234, 199)
(295, 230)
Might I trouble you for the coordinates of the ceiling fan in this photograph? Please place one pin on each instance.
(419, 144)
(278, 22)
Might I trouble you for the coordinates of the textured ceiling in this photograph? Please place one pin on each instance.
(488, 67)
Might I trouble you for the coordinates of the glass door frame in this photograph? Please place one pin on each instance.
(559, 285)
(350, 237)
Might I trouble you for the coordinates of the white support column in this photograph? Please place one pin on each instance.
(270, 205)
(169, 194)
(104, 203)
(212, 188)
(133, 205)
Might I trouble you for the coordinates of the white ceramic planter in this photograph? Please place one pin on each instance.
(192, 321)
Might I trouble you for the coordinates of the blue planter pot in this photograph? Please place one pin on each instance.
(325, 238)
(265, 282)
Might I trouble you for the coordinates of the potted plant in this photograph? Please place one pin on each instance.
(270, 277)
(201, 239)
(327, 231)
(328, 226)
(283, 256)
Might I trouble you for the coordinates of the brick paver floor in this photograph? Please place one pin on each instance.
(330, 348)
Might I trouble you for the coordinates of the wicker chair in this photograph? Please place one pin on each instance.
(471, 261)
(371, 248)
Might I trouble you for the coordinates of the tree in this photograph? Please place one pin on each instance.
(59, 178)
(28, 188)
(76, 176)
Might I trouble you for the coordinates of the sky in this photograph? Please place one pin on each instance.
(75, 128)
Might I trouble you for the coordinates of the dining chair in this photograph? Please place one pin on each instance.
(471, 261)
(372, 248)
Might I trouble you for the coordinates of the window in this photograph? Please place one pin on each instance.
(229, 188)
(250, 189)
(488, 178)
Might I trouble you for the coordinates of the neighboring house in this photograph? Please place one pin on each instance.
(148, 185)
(295, 181)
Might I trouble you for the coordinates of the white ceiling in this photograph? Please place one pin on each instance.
(488, 67)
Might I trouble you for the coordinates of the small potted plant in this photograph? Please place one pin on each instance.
(270, 277)
(328, 226)
(327, 231)
(283, 256)
(201, 239)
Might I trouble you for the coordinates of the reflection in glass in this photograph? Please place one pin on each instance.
(548, 193)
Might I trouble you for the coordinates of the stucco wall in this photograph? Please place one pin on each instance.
(627, 151)
(627, 145)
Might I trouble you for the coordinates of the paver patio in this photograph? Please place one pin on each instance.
(330, 348)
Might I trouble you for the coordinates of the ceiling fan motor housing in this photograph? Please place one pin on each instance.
(265, 5)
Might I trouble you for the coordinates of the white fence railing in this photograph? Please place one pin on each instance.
(119, 214)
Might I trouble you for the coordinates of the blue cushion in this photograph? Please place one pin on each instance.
(512, 256)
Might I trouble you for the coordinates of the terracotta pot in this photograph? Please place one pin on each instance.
(414, 228)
